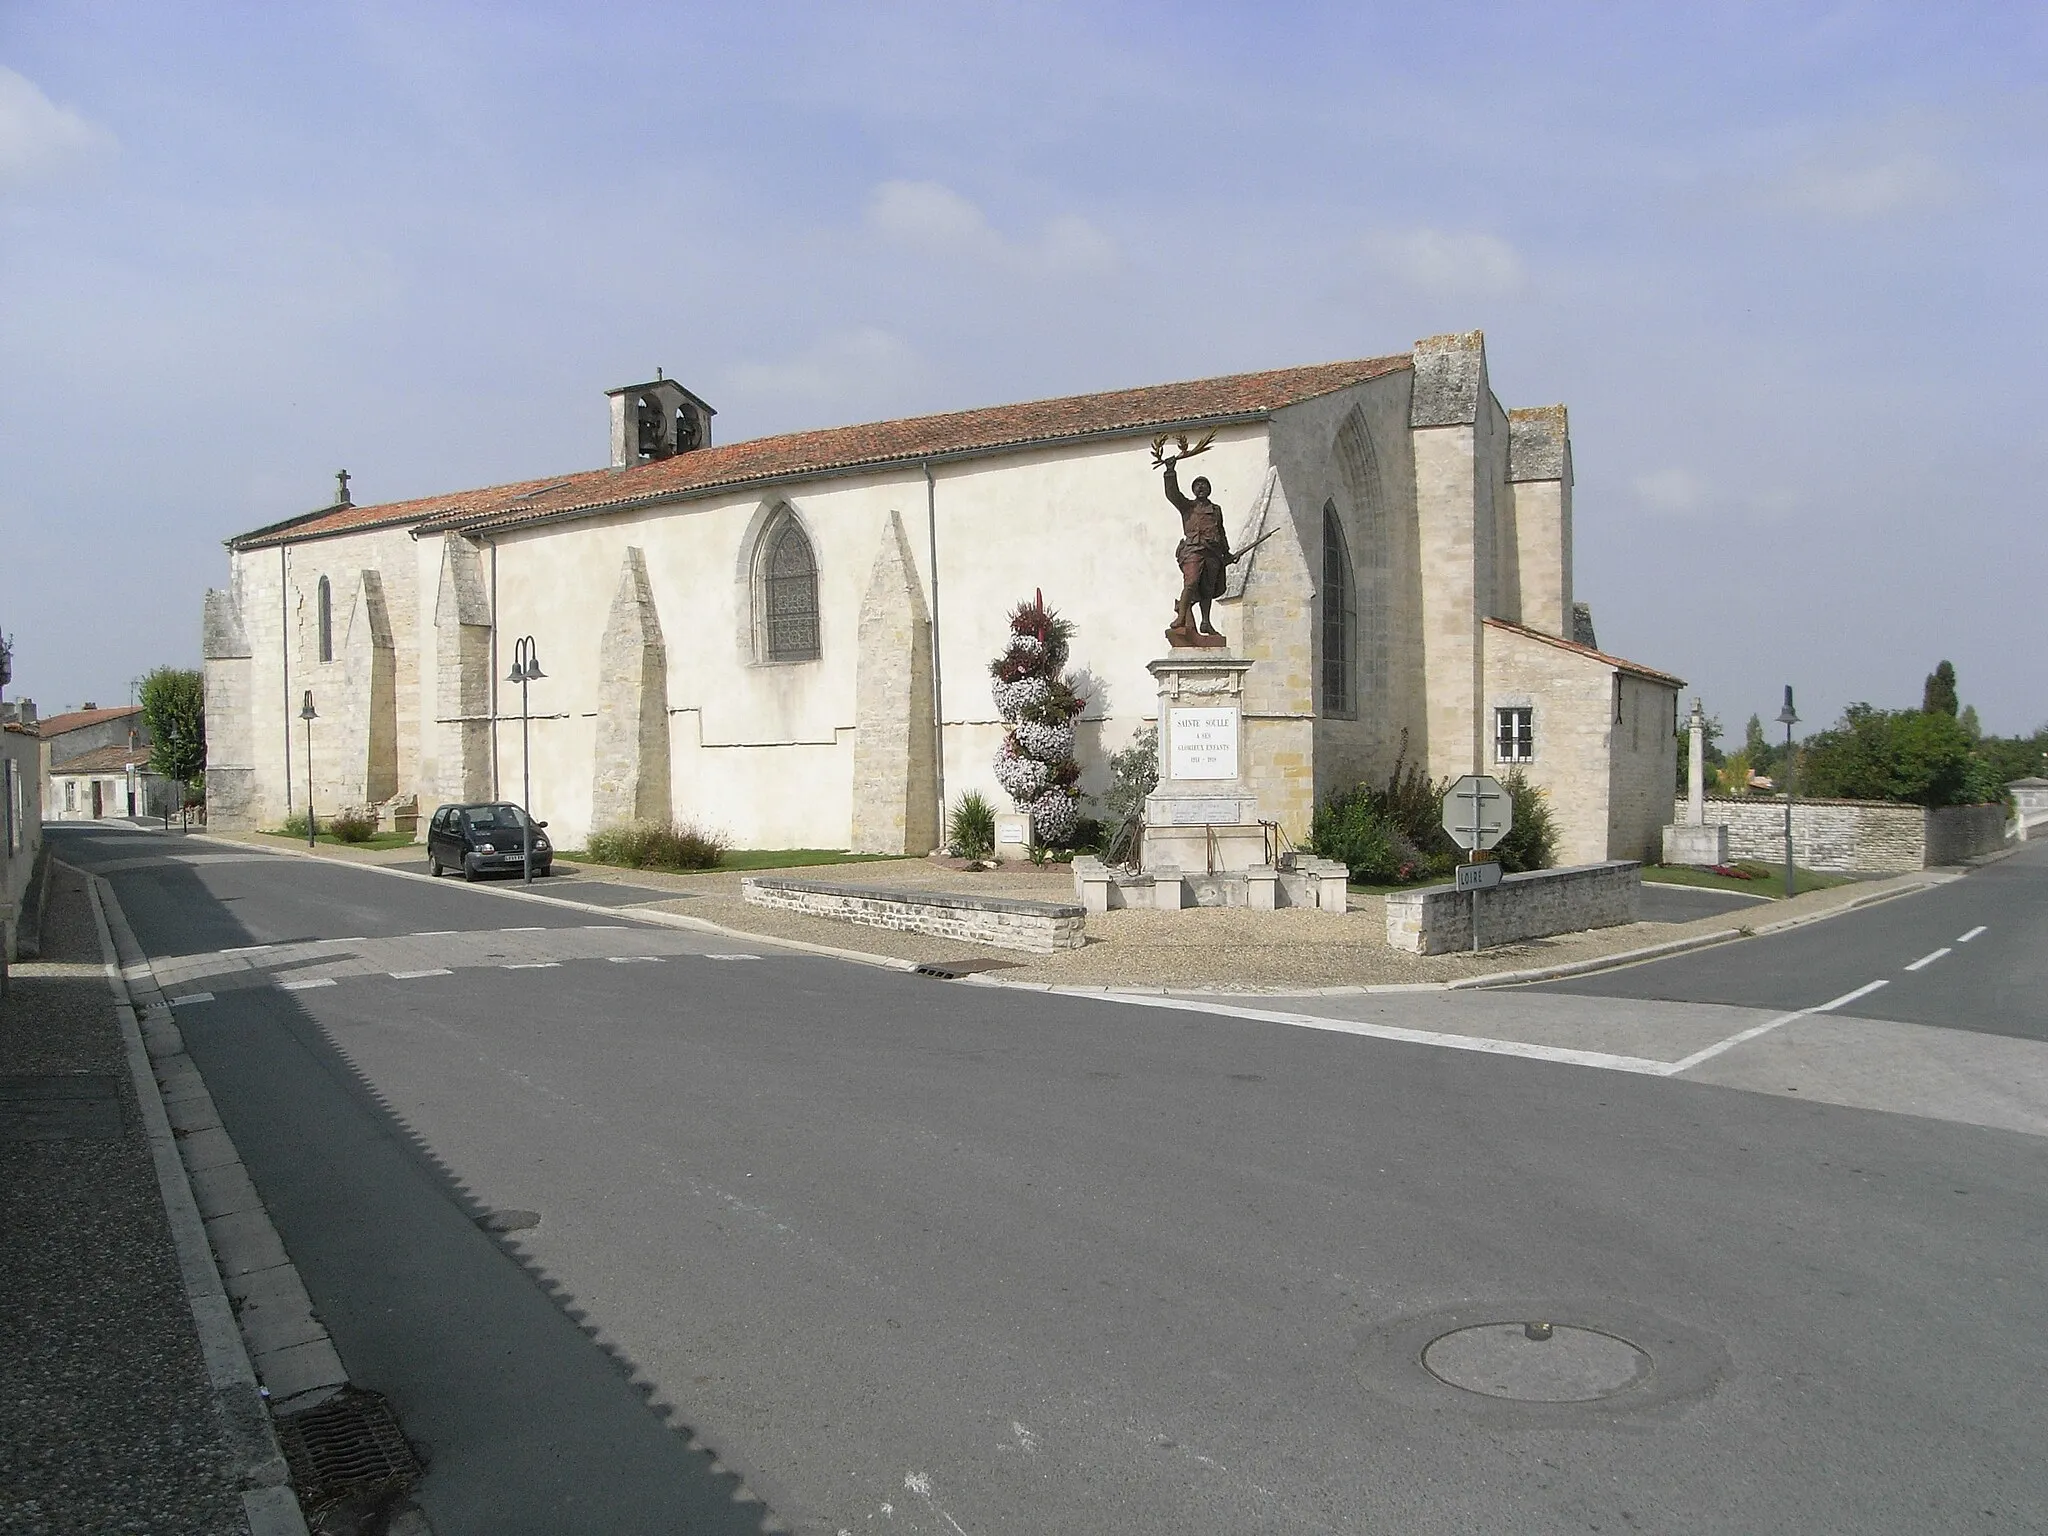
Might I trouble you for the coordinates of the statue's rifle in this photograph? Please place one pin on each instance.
(1255, 543)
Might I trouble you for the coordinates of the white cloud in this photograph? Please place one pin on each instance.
(38, 137)
(1441, 262)
(1911, 181)
(862, 371)
(936, 221)
(1671, 492)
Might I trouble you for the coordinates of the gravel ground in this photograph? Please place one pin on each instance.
(107, 1421)
(1215, 948)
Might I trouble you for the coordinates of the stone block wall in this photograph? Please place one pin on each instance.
(1040, 927)
(1438, 918)
(1857, 836)
(21, 827)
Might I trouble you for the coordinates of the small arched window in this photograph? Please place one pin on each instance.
(326, 621)
(1340, 616)
(788, 586)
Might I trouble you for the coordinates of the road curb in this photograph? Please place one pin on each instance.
(264, 1481)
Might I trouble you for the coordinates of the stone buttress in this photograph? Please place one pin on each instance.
(895, 771)
(630, 778)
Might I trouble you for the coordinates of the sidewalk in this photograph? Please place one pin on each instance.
(108, 1418)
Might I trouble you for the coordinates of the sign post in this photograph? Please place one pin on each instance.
(1478, 813)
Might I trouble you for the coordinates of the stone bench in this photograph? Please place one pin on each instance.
(1005, 922)
(1438, 918)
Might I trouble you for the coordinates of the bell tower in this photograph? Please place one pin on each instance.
(656, 420)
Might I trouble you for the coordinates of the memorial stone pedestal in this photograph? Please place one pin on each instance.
(1694, 840)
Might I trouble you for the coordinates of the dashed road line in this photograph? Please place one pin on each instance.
(415, 975)
(634, 959)
(301, 986)
(607, 928)
(1971, 934)
(246, 949)
(532, 965)
(434, 933)
(1926, 960)
(191, 997)
(535, 929)
(732, 957)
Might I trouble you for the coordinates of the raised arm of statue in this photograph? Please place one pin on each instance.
(1173, 490)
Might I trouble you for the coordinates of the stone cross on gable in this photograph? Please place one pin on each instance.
(341, 488)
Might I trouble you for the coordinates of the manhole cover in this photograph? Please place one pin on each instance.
(1536, 1362)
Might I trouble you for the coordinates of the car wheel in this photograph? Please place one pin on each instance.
(433, 866)
(468, 873)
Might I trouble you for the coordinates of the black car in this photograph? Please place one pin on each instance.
(482, 839)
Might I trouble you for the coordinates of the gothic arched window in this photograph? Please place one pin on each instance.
(1340, 617)
(326, 621)
(788, 588)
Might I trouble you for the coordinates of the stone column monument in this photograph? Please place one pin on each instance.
(1693, 841)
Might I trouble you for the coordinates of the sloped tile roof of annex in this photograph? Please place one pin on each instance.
(1619, 663)
(116, 759)
(838, 450)
(79, 719)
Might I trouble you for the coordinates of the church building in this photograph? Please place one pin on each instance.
(787, 640)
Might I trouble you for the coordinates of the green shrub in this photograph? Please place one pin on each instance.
(1892, 754)
(294, 825)
(1350, 829)
(657, 845)
(1531, 842)
(971, 829)
(353, 825)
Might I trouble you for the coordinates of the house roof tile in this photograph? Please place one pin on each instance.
(104, 760)
(838, 450)
(1619, 663)
(79, 719)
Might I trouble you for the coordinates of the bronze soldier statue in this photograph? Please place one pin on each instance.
(1203, 553)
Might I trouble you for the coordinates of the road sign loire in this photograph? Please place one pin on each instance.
(1477, 812)
(1477, 877)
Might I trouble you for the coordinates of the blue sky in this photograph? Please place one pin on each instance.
(1782, 263)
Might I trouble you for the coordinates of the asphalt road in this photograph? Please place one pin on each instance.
(918, 1256)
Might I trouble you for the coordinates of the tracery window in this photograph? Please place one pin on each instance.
(1340, 618)
(788, 593)
(326, 621)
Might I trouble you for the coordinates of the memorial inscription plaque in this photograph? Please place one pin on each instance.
(1204, 744)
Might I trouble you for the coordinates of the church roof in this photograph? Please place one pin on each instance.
(1619, 663)
(842, 450)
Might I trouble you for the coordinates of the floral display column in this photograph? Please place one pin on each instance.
(1036, 699)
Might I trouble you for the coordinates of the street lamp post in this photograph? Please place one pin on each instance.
(308, 714)
(525, 669)
(1788, 718)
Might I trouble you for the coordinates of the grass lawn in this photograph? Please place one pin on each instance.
(1770, 881)
(375, 840)
(750, 858)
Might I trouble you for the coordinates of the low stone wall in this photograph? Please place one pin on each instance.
(1438, 918)
(1005, 922)
(1857, 836)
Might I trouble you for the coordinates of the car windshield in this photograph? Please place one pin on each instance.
(493, 818)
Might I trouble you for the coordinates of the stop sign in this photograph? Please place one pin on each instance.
(1477, 812)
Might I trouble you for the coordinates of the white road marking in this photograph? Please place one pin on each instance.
(247, 949)
(1971, 934)
(192, 997)
(358, 939)
(434, 933)
(1743, 1037)
(1479, 1043)
(606, 928)
(634, 959)
(415, 975)
(732, 957)
(1927, 960)
(522, 930)
(301, 986)
(532, 965)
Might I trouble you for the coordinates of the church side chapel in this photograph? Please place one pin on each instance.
(789, 639)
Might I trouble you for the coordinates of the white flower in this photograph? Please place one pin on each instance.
(1014, 699)
(1054, 815)
(1047, 743)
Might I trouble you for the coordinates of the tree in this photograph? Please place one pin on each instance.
(1914, 755)
(1939, 695)
(1972, 726)
(174, 710)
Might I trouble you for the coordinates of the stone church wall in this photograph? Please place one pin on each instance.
(1645, 766)
(1571, 697)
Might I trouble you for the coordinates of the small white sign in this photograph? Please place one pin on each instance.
(1478, 877)
(1204, 743)
(1204, 813)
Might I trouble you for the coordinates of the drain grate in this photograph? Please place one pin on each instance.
(348, 1446)
(953, 970)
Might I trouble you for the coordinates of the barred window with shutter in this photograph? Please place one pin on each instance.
(1514, 735)
(789, 606)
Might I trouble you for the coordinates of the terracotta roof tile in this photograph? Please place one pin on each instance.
(1619, 663)
(794, 455)
(78, 719)
(104, 760)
